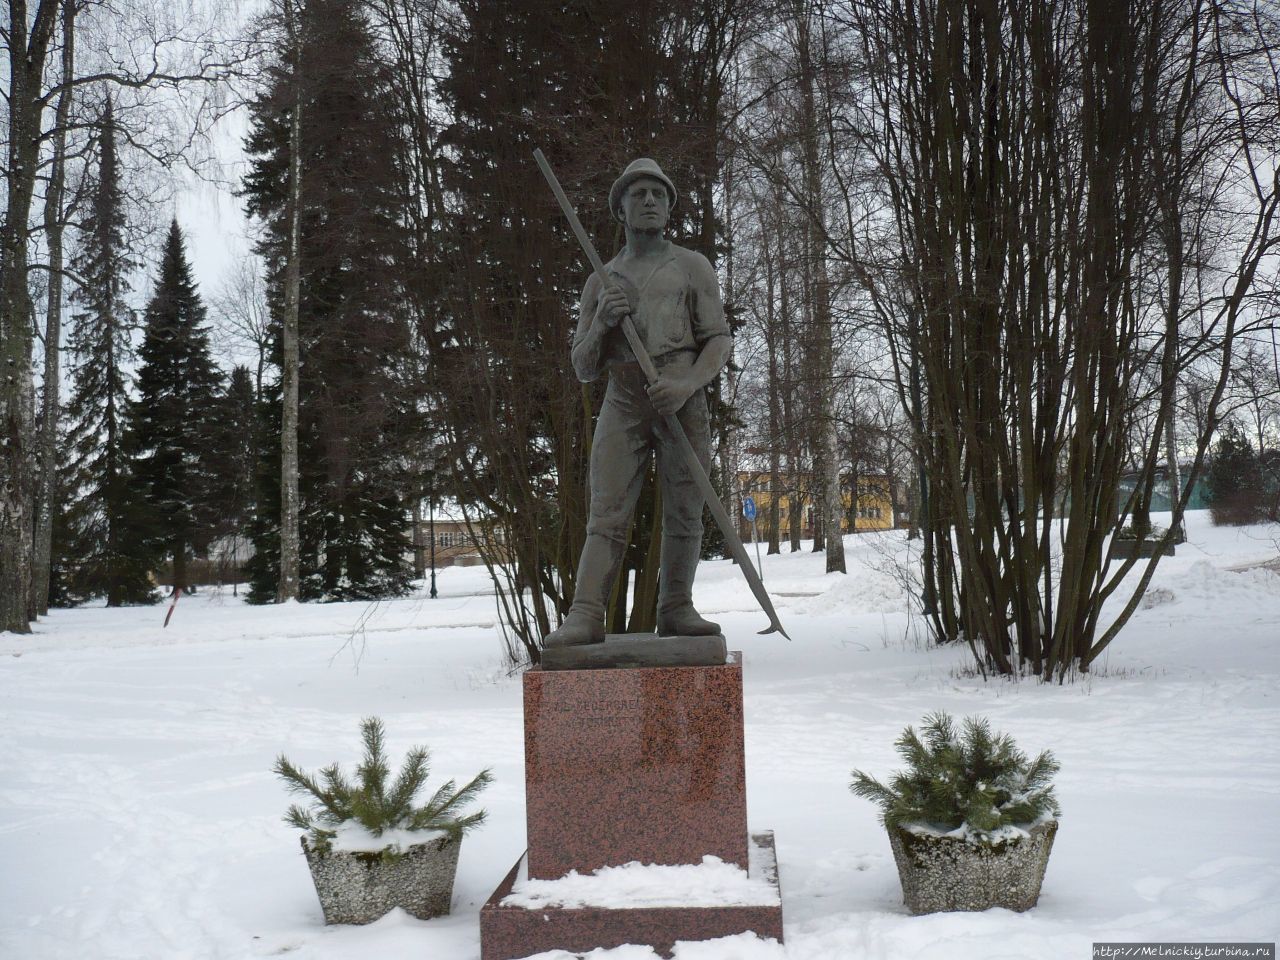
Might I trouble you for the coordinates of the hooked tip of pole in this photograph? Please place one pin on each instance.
(775, 628)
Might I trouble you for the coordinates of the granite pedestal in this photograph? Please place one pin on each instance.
(633, 764)
(638, 764)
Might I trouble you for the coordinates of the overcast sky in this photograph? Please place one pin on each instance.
(212, 218)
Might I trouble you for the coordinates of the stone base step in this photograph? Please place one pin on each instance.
(508, 932)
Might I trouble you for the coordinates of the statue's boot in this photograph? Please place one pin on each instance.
(676, 615)
(597, 569)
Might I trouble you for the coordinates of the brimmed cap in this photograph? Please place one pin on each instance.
(644, 167)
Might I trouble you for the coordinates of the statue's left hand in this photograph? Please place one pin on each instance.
(669, 393)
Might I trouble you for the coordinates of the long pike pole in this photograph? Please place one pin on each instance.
(672, 422)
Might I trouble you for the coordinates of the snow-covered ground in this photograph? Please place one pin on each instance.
(139, 817)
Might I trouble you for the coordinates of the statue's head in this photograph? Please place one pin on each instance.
(643, 196)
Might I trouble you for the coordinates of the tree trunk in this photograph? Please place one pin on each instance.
(729, 460)
(788, 400)
(1174, 476)
(775, 407)
(53, 225)
(644, 602)
(419, 558)
(830, 501)
(28, 44)
(289, 548)
(851, 515)
(179, 566)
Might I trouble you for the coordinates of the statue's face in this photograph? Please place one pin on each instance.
(646, 205)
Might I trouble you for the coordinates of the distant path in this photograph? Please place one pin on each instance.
(1273, 565)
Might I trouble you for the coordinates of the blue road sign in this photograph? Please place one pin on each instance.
(749, 508)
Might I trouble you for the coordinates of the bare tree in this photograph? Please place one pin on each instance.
(243, 316)
(1254, 389)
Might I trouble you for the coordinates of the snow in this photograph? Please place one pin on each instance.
(712, 883)
(967, 833)
(352, 837)
(140, 820)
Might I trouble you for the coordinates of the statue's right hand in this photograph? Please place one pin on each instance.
(613, 306)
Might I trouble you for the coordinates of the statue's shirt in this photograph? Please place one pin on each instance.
(671, 307)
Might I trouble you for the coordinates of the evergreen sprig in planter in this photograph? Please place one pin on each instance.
(369, 844)
(971, 821)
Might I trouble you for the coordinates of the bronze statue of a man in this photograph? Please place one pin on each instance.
(673, 297)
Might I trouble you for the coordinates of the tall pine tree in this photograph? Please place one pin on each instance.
(108, 550)
(354, 402)
(171, 422)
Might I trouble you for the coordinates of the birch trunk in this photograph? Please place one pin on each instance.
(53, 226)
(28, 43)
(288, 586)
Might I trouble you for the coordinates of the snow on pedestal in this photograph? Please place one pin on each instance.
(653, 904)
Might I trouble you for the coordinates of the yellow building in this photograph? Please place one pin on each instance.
(874, 509)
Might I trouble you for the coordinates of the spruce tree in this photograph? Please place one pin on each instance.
(62, 566)
(354, 402)
(235, 446)
(172, 421)
(106, 541)
(263, 568)
(1235, 483)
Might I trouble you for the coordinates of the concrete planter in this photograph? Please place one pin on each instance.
(946, 873)
(1124, 549)
(361, 887)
